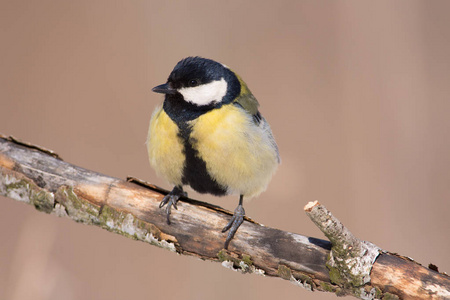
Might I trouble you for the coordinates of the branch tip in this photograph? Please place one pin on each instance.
(310, 205)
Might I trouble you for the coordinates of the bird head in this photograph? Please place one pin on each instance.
(201, 82)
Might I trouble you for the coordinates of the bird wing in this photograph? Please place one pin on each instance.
(248, 102)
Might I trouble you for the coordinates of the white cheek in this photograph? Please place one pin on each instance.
(206, 93)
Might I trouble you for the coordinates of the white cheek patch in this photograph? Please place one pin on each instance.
(206, 93)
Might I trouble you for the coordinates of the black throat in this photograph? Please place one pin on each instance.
(181, 111)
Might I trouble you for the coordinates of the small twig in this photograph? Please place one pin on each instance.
(349, 256)
(368, 271)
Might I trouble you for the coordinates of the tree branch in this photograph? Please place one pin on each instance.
(39, 177)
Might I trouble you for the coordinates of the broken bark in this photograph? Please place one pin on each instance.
(41, 178)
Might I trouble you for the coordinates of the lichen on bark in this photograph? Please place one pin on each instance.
(76, 207)
(25, 190)
(243, 264)
(350, 260)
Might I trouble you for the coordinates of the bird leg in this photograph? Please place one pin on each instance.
(171, 199)
(235, 222)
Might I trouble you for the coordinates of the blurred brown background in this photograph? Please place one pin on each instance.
(357, 94)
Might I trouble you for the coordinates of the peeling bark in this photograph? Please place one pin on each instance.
(53, 186)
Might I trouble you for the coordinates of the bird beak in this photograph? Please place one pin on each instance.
(164, 89)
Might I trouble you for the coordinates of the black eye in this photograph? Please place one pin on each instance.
(193, 82)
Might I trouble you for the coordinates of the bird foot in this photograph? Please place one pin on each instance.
(171, 199)
(233, 225)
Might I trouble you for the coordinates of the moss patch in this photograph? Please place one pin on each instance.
(76, 207)
(327, 287)
(242, 263)
(284, 272)
(335, 276)
(389, 296)
(224, 255)
(27, 191)
(340, 268)
(378, 293)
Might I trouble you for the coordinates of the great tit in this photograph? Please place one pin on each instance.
(209, 134)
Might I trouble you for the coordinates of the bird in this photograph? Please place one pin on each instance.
(209, 134)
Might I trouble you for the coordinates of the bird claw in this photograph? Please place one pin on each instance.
(233, 225)
(171, 199)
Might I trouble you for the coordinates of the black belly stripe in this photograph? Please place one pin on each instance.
(195, 173)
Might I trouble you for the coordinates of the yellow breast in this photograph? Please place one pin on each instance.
(165, 147)
(238, 154)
